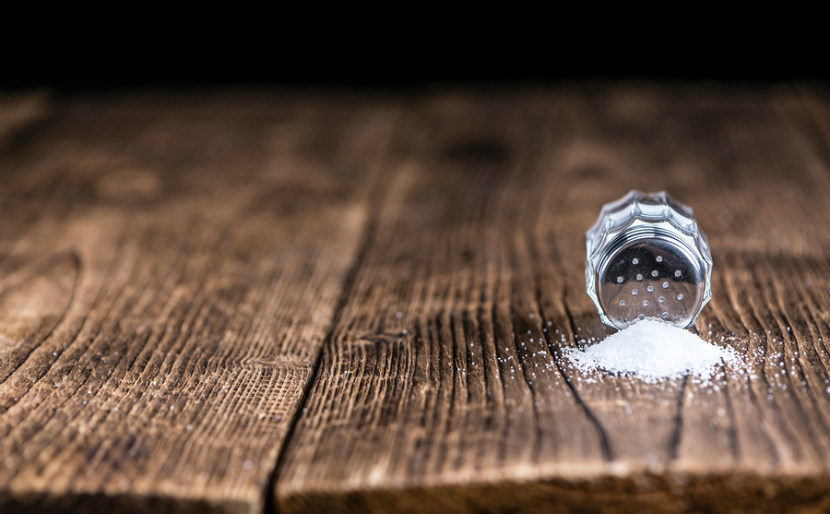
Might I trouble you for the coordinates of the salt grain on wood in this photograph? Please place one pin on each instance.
(652, 350)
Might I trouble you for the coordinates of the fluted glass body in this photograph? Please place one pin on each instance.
(647, 258)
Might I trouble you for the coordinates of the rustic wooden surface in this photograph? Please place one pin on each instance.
(169, 270)
(285, 302)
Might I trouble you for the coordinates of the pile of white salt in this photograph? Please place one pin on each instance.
(652, 350)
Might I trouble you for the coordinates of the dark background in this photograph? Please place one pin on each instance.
(147, 46)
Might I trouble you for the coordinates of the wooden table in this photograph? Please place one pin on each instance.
(343, 302)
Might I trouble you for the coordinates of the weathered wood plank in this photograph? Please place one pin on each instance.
(169, 267)
(440, 390)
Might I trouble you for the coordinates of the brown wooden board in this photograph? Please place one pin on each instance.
(169, 266)
(441, 389)
(172, 265)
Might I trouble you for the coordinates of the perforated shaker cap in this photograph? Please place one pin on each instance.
(647, 258)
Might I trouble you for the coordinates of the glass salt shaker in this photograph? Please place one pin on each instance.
(647, 258)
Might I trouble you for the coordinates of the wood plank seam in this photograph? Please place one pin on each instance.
(555, 349)
(375, 198)
(556, 352)
(137, 320)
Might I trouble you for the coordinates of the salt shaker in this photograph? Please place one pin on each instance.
(647, 258)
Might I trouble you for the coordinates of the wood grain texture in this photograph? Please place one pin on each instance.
(169, 267)
(442, 388)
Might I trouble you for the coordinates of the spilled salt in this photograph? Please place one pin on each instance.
(652, 350)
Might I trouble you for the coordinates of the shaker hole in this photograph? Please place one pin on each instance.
(654, 273)
(661, 300)
(665, 315)
(645, 303)
(635, 260)
(650, 288)
(620, 279)
(639, 277)
(677, 273)
(659, 258)
(665, 284)
(633, 292)
(680, 296)
(622, 303)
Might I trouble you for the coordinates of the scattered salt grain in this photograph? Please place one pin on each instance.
(652, 350)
